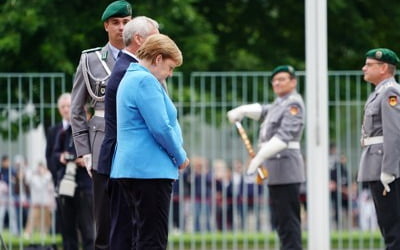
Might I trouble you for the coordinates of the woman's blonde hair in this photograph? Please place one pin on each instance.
(160, 44)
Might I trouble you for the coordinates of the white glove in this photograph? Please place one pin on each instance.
(254, 164)
(386, 179)
(252, 111)
(87, 158)
(268, 149)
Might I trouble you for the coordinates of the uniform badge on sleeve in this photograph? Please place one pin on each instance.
(393, 100)
(294, 110)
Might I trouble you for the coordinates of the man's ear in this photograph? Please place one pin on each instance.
(385, 68)
(138, 39)
(294, 81)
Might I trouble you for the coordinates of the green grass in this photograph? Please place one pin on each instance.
(34, 239)
(341, 240)
(344, 239)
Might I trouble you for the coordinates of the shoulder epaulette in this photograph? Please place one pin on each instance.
(91, 50)
(386, 86)
(295, 97)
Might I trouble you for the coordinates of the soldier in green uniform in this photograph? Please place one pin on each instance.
(90, 81)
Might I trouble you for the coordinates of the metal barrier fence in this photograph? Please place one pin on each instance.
(214, 205)
(27, 100)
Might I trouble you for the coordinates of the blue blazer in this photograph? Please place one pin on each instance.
(149, 138)
(110, 116)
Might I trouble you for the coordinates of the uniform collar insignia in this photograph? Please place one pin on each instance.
(104, 55)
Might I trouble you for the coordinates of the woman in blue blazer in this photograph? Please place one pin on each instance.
(149, 151)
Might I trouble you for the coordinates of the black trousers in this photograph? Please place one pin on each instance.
(121, 234)
(285, 202)
(102, 214)
(77, 214)
(58, 217)
(150, 200)
(388, 212)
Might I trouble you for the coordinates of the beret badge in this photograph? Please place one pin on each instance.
(378, 54)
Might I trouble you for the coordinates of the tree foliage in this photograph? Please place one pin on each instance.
(256, 35)
(222, 35)
(48, 35)
(356, 26)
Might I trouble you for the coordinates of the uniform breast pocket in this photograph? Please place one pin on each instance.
(272, 125)
(376, 121)
(372, 119)
(275, 119)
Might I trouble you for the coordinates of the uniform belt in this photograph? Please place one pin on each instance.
(294, 145)
(371, 140)
(99, 113)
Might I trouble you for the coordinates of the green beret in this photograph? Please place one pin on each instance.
(284, 68)
(383, 55)
(119, 8)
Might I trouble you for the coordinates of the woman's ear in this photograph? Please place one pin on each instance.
(158, 59)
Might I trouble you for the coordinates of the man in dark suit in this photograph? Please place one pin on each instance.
(75, 191)
(63, 105)
(134, 34)
(50, 140)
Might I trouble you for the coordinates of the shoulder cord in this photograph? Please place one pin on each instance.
(86, 72)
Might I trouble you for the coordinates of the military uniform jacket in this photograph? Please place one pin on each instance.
(284, 119)
(381, 118)
(94, 69)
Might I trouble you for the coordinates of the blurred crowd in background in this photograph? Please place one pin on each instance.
(211, 195)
